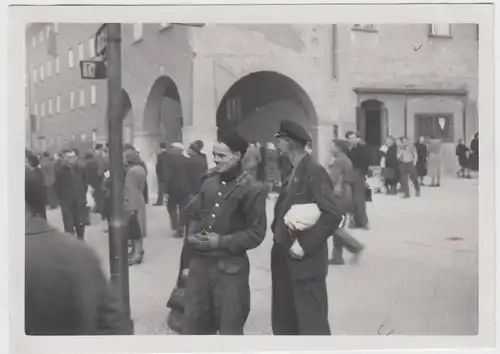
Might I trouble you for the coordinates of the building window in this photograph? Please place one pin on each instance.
(57, 65)
(35, 109)
(72, 100)
(439, 125)
(70, 58)
(91, 47)
(233, 109)
(137, 32)
(56, 27)
(58, 104)
(82, 98)
(42, 76)
(33, 42)
(94, 136)
(50, 106)
(440, 30)
(367, 27)
(92, 94)
(83, 137)
(81, 51)
(49, 69)
(40, 37)
(165, 25)
(42, 109)
(48, 31)
(34, 76)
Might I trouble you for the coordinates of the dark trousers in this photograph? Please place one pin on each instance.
(52, 201)
(214, 300)
(175, 205)
(409, 172)
(342, 239)
(161, 191)
(359, 198)
(298, 306)
(73, 215)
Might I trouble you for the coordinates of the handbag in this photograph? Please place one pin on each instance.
(133, 227)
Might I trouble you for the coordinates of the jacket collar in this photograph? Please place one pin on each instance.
(35, 225)
(231, 174)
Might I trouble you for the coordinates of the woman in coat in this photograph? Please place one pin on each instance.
(474, 153)
(434, 162)
(135, 205)
(421, 164)
(462, 153)
(390, 168)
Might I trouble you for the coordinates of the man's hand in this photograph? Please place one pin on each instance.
(296, 251)
(205, 242)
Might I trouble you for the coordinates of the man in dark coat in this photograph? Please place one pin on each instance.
(178, 188)
(299, 259)
(228, 218)
(47, 165)
(71, 188)
(161, 166)
(37, 192)
(358, 154)
(198, 166)
(66, 292)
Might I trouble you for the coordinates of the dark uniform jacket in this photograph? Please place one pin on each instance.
(162, 164)
(177, 179)
(359, 158)
(66, 292)
(232, 205)
(71, 183)
(311, 184)
(198, 166)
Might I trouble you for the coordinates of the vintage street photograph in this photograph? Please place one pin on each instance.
(276, 179)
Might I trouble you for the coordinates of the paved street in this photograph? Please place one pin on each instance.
(412, 278)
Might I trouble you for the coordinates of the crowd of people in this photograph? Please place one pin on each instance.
(220, 214)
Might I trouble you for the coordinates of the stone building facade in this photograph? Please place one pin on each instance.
(182, 83)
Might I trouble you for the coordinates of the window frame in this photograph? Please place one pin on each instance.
(40, 37)
(57, 65)
(435, 117)
(72, 100)
(42, 109)
(49, 69)
(437, 35)
(81, 51)
(58, 104)
(91, 42)
(33, 41)
(93, 95)
(362, 27)
(35, 109)
(81, 98)
(71, 58)
(49, 107)
(42, 72)
(35, 75)
(56, 27)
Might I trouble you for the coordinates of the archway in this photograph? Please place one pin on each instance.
(256, 104)
(372, 127)
(163, 112)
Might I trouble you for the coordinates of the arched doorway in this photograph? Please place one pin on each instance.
(372, 126)
(257, 103)
(163, 112)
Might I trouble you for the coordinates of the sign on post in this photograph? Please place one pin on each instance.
(101, 40)
(92, 69)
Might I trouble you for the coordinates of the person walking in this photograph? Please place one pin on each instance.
(66, 293)
(71, 188)
(474, 153)
(47, 165)
(178, 188)
(462, 152)
(358, 155)
(299, 259)
(407, 156)
(35, 177)
(341, 173)
(251, 160)
(161, 167)
(422, 156)
(135, 205)
(227, 219)
(434, 162)
(390, 167)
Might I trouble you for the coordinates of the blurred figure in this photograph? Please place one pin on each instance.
(66, 292)
(341, 173)
(71, 188)
(434, 162)
(37, 192)
(95, 181)
(261, 167)
(422, 156)
(198, 166)
(178, 188)
(390, 168)
(474, 153)
(47, 165)
(135, 205)
(407, 155)
(251, 160)
(462, 152)
(161, 166)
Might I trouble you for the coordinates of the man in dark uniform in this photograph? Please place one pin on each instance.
(227, 218)
(358, 155)
(71, 188)
(299, 259)
(161, 167)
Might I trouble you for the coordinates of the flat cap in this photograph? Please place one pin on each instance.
(293, 130)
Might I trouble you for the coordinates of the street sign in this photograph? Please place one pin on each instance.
(92, 69)
(101, 39)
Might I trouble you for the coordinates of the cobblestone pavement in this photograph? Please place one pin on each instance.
(418, 275)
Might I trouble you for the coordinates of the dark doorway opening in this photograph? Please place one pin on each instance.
(372, 126)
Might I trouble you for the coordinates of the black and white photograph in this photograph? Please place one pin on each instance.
(224, 175)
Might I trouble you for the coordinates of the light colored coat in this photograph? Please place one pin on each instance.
(135, 182)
